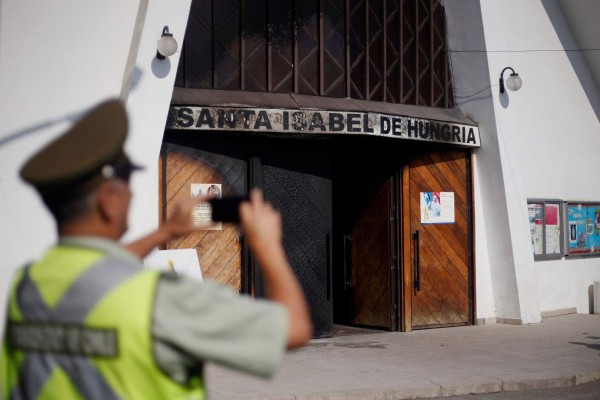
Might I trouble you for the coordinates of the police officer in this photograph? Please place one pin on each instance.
(87, 321)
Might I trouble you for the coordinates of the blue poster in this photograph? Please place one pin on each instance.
(584, 228)
(594, 227)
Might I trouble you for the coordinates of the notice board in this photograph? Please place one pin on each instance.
(583, 231)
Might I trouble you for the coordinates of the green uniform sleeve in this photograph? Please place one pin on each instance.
(196, 322)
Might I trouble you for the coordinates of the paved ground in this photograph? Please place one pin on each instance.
(357, 364)
(585, 391)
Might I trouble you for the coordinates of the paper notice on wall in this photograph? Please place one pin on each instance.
(551, 217)
(437, 208)
(536, 227)
(202, 213)
(177, 261)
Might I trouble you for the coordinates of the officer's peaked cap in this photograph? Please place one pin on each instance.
(88, 153)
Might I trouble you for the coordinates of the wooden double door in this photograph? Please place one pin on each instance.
(395, 270)
(352, 224)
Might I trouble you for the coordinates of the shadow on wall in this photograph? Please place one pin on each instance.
(161, 68)
(578, 62)
(504, 99)
(6, 138)
(72, 117)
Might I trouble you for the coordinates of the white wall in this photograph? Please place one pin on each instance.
(495, 280)
(148, 105)
(56, 60)
(549, 137)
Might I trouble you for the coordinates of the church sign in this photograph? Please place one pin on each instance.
(321, 122)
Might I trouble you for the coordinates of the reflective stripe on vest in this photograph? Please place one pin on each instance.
(81, 297)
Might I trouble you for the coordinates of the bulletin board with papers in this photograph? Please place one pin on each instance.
(546, 228)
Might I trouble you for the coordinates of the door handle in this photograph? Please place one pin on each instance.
(246, 273)
(417, 275)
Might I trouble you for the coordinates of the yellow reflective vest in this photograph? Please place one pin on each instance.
(79, 327)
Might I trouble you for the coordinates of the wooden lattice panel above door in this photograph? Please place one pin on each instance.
(382, 50)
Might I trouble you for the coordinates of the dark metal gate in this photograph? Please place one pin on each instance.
(302, 192)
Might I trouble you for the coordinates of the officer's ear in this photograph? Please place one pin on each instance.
(111, 202)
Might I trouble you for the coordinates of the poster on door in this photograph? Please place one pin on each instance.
(202, 214)
(437, 208)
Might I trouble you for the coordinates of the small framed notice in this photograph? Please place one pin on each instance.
(437, 208)
(202, 213)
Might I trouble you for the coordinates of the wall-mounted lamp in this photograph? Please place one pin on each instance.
(513, 82)
(166, 45)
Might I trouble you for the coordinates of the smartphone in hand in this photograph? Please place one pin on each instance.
(226, 209)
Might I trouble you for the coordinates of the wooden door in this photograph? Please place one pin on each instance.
(369, 246)
(437, 269)
(219, 251)
(365, 223)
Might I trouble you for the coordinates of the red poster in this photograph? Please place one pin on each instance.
(551, 215)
